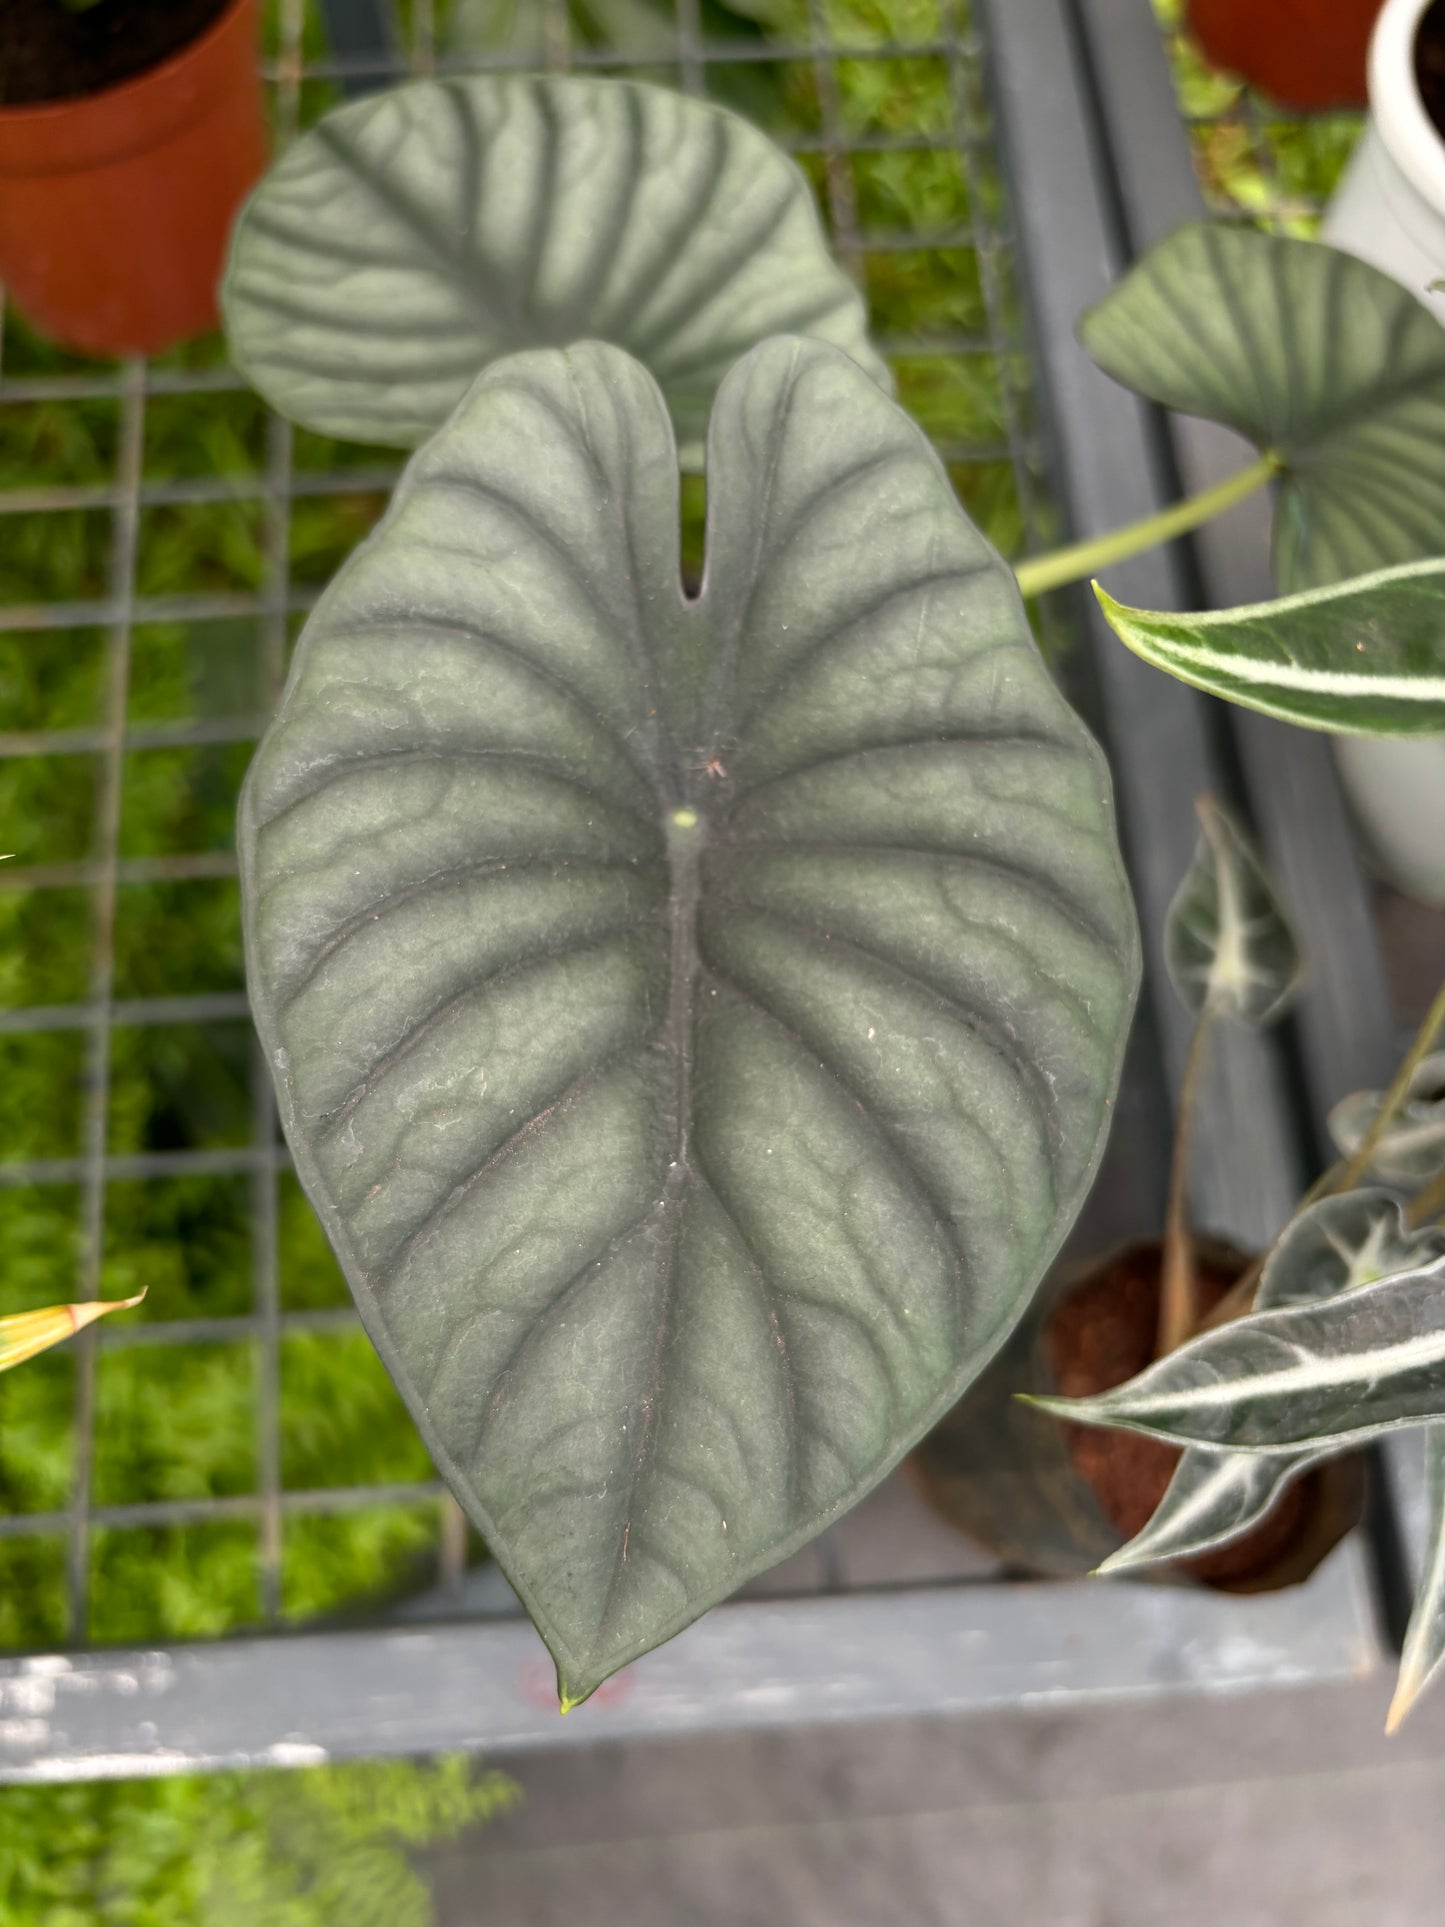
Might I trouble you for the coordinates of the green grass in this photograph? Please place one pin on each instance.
(317, 1849)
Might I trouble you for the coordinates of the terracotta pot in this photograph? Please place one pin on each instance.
(1055, 1499)
(115, 207)
(1305, 53)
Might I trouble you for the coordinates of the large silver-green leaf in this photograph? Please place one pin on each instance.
(1412, 1150)
(1332, 1373)
(1321, 360)
(1367, 656)
(410, 239)
(1228, 944)
(694, 1020)
(1424, 1650)
(1214, 1497)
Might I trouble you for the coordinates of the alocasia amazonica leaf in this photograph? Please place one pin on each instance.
(1412, 1149)
(1330, 1373)
(1367, 656)
(410, 239)
(1228, 944)
(694, 1020)
(1336, 1245)
(1324, 362)
(1425, 1636)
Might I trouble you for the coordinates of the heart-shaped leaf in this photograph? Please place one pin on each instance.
(1412, 1150)
(1424, 1649)
(694, 1020)
(1366, 656)
(1334, 1373)
(1228, 945)
(1321, 360)
(1340, 1244)
(1214, 1497)
(410, 239)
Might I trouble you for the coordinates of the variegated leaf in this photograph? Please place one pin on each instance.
(1367, 656)
(1425, 1636)
(1412, 1150)
(1227, 942)
(1340, 1244)
(1333, 1373)
(1215, 1497)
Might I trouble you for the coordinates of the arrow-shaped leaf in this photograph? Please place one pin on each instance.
(1324, 362)
(410, 239)
(1340, 1244)
(1424, 1650)
(1227, 942)
(694, 1019)
(26, 1333)
(1366, 656)
(1214, 1497)
(1366, 1362)
(1412, 1150)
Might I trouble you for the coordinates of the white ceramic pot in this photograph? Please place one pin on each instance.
(1390, 210)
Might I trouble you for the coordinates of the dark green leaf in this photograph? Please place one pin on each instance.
(1321, 360)
(410, 239)
(694, 1020)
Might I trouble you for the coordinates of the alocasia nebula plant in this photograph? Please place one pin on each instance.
(695, 1018)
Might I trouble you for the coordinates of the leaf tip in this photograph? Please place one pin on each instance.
(1407, 1691)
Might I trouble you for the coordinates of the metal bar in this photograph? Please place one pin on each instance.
(363, 42)
(1245, 1179)
(147, 1513)
(746, 1667)
(1344, 1021)
(96, 1104)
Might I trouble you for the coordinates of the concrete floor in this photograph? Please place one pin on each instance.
(1280, 1808)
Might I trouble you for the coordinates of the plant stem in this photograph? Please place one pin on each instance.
(1081, 559)
(1427, 1204)
(1399, 1090)
(1178, 1280)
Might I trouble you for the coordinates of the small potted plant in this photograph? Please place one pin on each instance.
(130, 131)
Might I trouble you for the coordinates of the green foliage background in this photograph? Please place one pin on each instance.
(307, 1849)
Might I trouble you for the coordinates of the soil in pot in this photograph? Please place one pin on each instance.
(49, 53)
(1430, 64)
(1056, 1499)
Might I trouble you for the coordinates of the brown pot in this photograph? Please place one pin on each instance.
(115, 207)
(1056, 1499)
(1305, 53)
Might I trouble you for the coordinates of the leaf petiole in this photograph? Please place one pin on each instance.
(1080, 560)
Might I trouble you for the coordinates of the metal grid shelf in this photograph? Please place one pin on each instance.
(974, 294)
